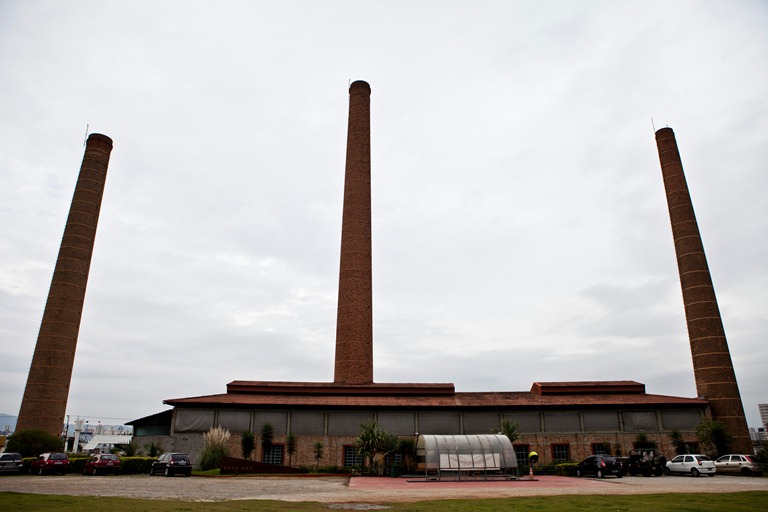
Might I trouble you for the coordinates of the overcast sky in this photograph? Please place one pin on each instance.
(520, 229)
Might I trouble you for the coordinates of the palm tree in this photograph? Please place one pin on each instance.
(267, 434)
(247, 444)
(369, 442)
(290, 447)
(509, 429)
(318, 452)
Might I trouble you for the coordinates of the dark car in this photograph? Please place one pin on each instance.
(170, 464)
(102, 464)
(599, 466)
(11, 462)
(54, 462)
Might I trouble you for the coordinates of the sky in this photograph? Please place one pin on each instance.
(520, 228)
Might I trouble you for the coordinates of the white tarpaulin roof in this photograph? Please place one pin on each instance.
(106, 439)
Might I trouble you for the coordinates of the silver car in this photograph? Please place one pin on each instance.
(694, 464)
(737, 464)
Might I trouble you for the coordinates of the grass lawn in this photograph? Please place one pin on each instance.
(751, 501)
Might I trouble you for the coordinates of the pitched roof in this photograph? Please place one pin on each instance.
(246, 394)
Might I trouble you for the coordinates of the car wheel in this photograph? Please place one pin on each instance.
(710, 474)
(40, 471)
(746, 471)
(578, 472)
(167, 472)
(600, 473)
(667, 471)
(695, 472)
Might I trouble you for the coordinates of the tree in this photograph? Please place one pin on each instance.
(267, 435)
(129, 449)
(369, 442)
(677, 442)
(153, 449)
(510, 429)
(290, 447)
(33, 442)
(643, 443)
(247, 444)
(714, 437)
(317, 450)
(214, 448)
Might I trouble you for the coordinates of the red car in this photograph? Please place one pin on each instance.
(50, 463)
(102, 464)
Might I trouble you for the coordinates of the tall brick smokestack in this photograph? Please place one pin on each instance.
(45, 397)
(712, 366)
(354, 323)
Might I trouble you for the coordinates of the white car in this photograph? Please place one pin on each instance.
(694, 464)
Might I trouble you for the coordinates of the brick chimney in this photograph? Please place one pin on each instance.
(354, 323)
(45, 396)
(712, 366)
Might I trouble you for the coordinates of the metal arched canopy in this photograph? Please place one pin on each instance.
(482, 452)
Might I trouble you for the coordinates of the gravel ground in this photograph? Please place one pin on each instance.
(340, 490)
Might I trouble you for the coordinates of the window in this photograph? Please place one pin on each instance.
(690, 447)
(351, 459)
(601, 448)
(560, 452)
(521, 452)
(274, 455)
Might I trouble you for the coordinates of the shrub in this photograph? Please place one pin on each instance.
(77, 463)
(247, 444)
(153, 449)
(32, 442)
(135, 465)
(214, 448)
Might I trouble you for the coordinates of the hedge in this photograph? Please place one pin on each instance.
(128, 465)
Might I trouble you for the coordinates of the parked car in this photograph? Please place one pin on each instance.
(11, 462)
(599, 466)
(737, 464)
(170, 464)
(54, 462)
(694, 464)
(102, 464)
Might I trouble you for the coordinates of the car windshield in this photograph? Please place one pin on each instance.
(58, 456)
(179, 456)
(702, 458)
(109, 457)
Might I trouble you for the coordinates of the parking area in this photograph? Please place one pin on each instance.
(330, 489)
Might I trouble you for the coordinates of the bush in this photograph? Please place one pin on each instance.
(77, 463)
(215, 448)
(135, 465)
(32, 442)
(566, 469)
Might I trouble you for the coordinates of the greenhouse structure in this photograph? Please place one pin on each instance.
(459, 457)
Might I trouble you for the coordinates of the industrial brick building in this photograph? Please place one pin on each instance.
(559, 420)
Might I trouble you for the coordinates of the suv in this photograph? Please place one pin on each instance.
(739, 464)
(600, 466)
(11, 462)
(55, 462)
(645, 462)
(171, 464)
(102, 464)
(695, 464)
